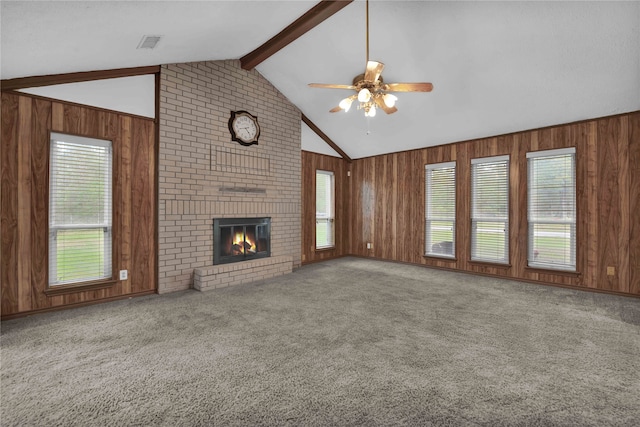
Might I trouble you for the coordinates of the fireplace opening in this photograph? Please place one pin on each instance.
(240, 239)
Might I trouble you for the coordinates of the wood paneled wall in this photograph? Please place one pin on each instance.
(634, 203)
(310, 163)
(26, 124)
(387, 203)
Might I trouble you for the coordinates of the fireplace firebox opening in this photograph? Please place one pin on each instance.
(241, 239)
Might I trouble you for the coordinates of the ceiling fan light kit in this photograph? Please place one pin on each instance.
(371, 91)
(345, 104)
(364, 95)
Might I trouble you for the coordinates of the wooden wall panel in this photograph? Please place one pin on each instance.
(407, 228)
(363, 209)
(9, 205)
(622, 264)
(417, 204)
(609, 203)
(356, 221)
(26, 125)
(607, 191)
(24, 203)
(579, 139)
(591, 244)
(142, 212)
(382, 238)
(39, 260)
(308, 205)
(57, 116)
(463, 209)
(400, 220)
(123, 180)
(519, 225)
(634, 204)
(310, 163)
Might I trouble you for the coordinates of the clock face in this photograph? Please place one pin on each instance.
(244, 127)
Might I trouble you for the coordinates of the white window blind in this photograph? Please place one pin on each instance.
(490, 209)
(551, 209)
(440, 229)
(324, 209)
(79, 209)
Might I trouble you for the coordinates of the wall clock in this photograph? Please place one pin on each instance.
(244, 128)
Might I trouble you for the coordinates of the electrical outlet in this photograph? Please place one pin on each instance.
(124, 274)
(611, 271)
(369, 245)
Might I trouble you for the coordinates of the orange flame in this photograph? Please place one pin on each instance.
(244, 246)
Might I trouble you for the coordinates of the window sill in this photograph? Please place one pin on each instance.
(440, 258)
(551, 271)
(79, 287)
(489, 264)
(325, 248)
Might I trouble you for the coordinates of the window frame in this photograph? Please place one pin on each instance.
(428, 219)
(330, 218)
(53, 230)
(561, 268)
(503, 220)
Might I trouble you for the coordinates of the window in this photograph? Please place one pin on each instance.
(440, 238)
(490, 209)
(79, 209)
(551, 209)
(324, 209)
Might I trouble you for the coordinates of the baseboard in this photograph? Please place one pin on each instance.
(79, 304)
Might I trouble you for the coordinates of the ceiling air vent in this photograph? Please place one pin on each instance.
(148, 42)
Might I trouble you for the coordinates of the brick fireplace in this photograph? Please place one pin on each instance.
(203, 174)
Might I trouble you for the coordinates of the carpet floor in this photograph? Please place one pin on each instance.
(344, 342)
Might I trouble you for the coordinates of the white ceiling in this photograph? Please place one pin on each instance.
(497, 67)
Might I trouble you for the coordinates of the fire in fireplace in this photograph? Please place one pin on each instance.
(240, 239)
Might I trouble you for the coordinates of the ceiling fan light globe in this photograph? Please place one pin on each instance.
(364, 95)
(345, 104)
(389, 100)
(372, 111)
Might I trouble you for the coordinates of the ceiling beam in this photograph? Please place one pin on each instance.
(306, 22)
(325, 138)
(85, 76)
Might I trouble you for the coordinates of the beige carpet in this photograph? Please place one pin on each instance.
(345, 342)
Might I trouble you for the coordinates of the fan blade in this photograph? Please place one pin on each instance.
(408, 87)
(380, 103)
(374, 69)
(335, 109)
(330, 86)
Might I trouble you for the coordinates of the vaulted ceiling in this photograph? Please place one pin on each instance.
(496, 67)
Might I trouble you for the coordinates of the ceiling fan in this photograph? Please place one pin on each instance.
(371, 90)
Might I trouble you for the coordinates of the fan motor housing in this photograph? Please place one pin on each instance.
(359, 82)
